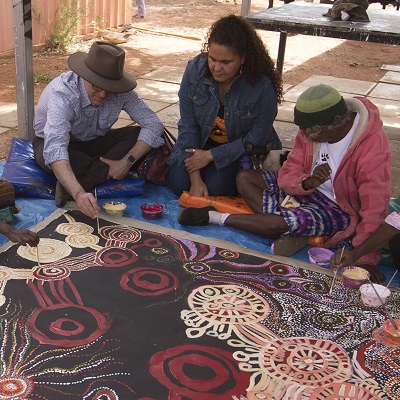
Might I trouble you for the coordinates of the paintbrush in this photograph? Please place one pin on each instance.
(37, 248)
(392, 278)
(98, 225)
(383, 305)
(334, 276)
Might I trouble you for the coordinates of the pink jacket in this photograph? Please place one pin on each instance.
(362, 183)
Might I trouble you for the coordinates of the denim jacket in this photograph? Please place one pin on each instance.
(249, 114)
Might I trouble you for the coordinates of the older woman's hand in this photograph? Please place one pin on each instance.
(321, 174)
(342, 258)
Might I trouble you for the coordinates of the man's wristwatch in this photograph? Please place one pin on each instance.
(130, 158)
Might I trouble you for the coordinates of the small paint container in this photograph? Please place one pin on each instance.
(369, 297)
(320, 256)
(152, 211)
(390, 333)
(354, 277)
(114, 208)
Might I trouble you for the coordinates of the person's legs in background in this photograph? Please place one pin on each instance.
(141, 9)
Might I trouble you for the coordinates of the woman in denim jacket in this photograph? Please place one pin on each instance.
(229, 95)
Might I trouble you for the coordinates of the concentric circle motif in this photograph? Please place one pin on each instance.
(281, 284)
(115, 257)
(47, 251)
(309, 362)
(15, 387)
(82, 240)
(199, 373)
(102, 393)
(228, 304)
(123, 234)
(159, 250)
(280, 269)
(196, 267)
(51, 273)
(149, 281)
(342, 390)
(67, 325)
(392, 387)
(74, 228)
(314, 288)
(229, 254)
(329, 320)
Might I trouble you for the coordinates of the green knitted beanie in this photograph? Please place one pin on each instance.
(318, 105)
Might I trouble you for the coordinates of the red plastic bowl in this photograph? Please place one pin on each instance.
(152, 211)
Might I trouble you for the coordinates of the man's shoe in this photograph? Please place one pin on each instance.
(289, 245)
(195, 216)
(138, 16)
(61, 195)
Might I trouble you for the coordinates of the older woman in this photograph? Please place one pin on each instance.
(228, 96)
(337, 180)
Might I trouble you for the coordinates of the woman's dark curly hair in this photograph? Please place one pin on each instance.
(237, 33)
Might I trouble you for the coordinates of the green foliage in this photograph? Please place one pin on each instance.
(42, 77)
(62, 27)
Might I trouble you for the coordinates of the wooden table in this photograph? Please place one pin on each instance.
(308, 19)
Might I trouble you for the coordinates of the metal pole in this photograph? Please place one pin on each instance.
(22, 18)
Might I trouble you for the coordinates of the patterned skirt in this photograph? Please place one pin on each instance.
(317, 215)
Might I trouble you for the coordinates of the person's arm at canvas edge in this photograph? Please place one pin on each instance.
(85, 201)
(376, 241)
(21, 236)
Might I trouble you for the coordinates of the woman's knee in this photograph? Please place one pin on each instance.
(178, 180)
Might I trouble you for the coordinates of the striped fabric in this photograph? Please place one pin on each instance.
(316, 216)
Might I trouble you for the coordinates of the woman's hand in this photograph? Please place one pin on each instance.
(197, 187)
(342, 259)
(321, 174)
(198, 160)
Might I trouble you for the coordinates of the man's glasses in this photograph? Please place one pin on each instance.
(99, 89)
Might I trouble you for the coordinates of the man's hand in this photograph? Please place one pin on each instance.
(118, 169)
(87, 204)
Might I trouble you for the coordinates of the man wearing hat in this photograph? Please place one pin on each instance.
(73, 121)
(336, 180)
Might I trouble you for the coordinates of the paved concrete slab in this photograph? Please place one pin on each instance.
(387, 108)
(170, 115)
(348, 86)
(8, 115)
(391, 67)
(391, 77)
(285, 112)
(386, 91)
(286, 132)
(165, 74)
(160, 91)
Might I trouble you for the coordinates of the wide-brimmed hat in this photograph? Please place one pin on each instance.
(318, 105)
(103, 66)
